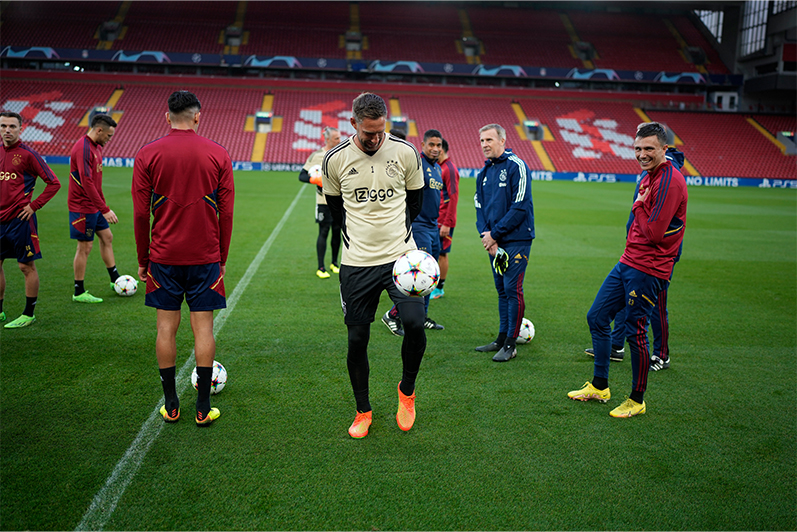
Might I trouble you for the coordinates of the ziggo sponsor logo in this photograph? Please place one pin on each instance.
(364, 195)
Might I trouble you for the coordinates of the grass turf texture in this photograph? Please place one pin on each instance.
(495, 446)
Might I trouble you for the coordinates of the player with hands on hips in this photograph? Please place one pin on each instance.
(20, 165)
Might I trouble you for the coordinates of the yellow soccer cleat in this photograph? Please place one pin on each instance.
(629, 408)
(321, 274)
(588, 392)
(362, 421)
(204, 421)
(334, 267)
(172, 416)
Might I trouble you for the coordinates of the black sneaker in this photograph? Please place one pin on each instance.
(492, 346)
(393, 324)
(616, 354)
(431, 324)
(505, 354)
(657, 363)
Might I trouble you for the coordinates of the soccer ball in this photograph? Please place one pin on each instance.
(125, 285)
(315, 171)
(415, 273)
(526, 334)
(219, 379)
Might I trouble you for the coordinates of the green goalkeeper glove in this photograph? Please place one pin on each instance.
(501, 261)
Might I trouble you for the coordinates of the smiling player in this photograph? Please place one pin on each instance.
(644, 269)
(374, 185)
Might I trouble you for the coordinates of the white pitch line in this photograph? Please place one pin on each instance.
(105, 501)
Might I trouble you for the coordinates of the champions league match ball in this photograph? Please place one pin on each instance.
(315, 171)
(416, 273)
(526, 334)
(219, 378)
(125, 285)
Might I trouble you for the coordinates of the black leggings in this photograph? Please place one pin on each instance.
(412, 350)
(321, 243)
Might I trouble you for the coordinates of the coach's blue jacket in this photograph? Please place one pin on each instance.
(503, 199)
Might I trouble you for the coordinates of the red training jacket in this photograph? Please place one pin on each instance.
(19, 168)
(659, 222)
(185, 182)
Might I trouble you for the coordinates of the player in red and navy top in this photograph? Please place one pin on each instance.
(184, 182)
(653, 242)
(424, 227)
(89, 215)
(448, 215)
(659, 320)
(19, 235)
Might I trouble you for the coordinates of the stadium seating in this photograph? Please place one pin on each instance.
(726, 145)
(774, 124)
(589, 136)
(459, 120)
(522, 37)
(693, 37)
(176, 26)
(299, 29)
(612, 34)
(304, 115)
(222, 120)
(427, 32)
(52, 111)
(55, 24)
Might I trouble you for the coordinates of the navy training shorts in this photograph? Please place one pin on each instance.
(201, 285)
(20, 239)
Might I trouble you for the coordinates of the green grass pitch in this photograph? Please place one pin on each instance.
(495, 446)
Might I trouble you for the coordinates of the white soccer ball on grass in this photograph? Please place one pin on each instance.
(219, 380)
(526, 333)
(125, 285)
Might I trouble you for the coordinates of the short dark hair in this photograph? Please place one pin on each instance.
(652, 129)
(432, 133)
(398, 133)
(181, 101)
(11, 114)
(105, 119)
(445, 145)
(368, 105)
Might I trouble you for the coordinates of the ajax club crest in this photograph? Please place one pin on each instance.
(392, 169)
